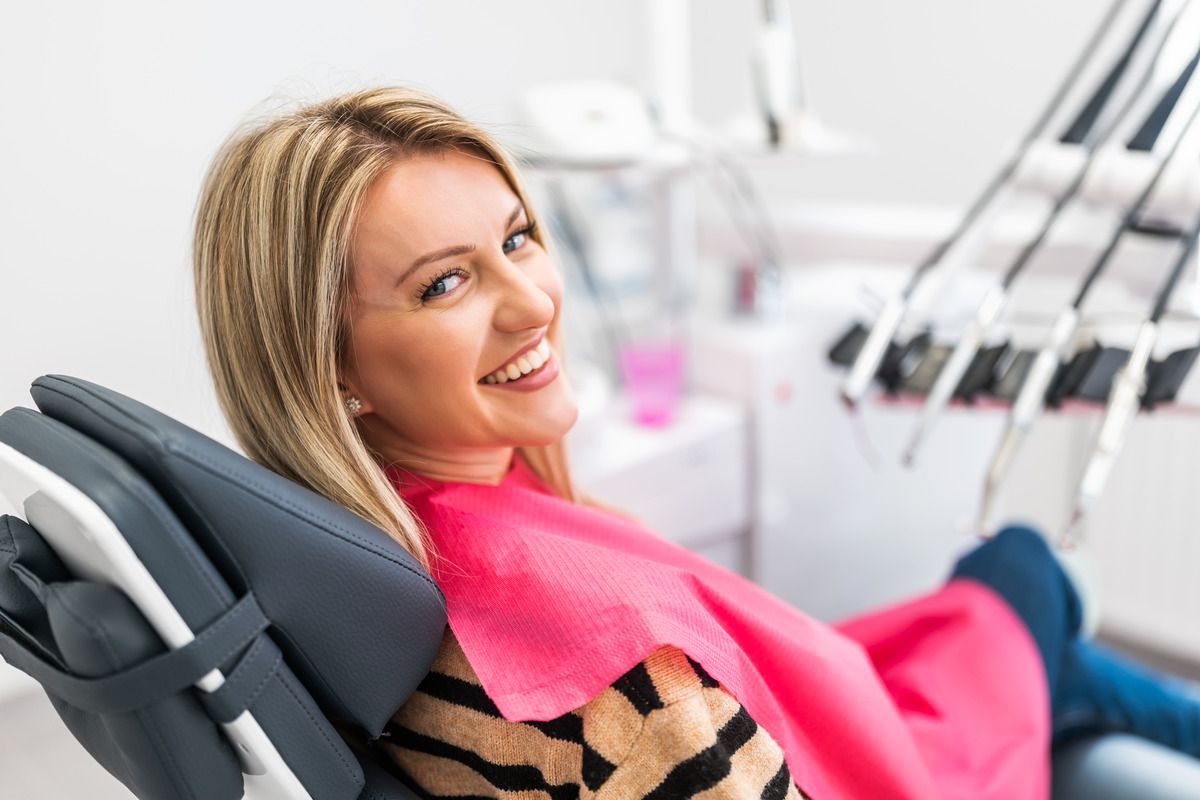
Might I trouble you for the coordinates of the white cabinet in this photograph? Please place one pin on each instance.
(840, 527)
(688, 481)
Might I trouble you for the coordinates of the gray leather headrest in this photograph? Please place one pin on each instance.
(358, 619)
(128, 692)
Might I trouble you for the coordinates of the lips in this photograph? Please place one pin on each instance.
(532, 381)
(515, 356)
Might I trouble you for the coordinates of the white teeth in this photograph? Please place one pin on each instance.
(534, 359)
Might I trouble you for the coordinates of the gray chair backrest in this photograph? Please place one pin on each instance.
(357, 618)
(328, 616)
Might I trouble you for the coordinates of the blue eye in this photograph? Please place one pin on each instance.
(514, 242)
(519, 237)
(423, 292)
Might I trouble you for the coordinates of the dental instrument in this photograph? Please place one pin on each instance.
(775, 71)
(878, 343)
(1128, 387)
(995, 300)
(1031, 398)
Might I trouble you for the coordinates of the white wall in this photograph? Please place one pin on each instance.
(109, 113)
(940, 86)
(112, 111)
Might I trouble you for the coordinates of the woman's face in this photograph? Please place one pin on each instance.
(448, 287)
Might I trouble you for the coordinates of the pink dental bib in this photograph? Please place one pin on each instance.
(943, 696)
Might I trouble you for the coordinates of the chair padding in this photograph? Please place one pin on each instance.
(381, 785)
(171, 749)
(304, 738)
(27, 564)
(357, 618)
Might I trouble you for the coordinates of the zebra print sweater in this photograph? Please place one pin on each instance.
(663, 730)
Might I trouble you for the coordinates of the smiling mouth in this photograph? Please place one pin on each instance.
(536, 359)
(523, 376)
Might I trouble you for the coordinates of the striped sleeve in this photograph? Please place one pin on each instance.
(696, 740)
(663, 730)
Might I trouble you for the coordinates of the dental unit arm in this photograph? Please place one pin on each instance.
(1157, 38)
(1125, 400)
(963, 243)
(1031, 398)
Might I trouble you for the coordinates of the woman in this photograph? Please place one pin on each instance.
(382, 319)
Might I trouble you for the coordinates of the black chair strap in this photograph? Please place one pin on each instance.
(244, 683)
(153, 680)
(28, 640)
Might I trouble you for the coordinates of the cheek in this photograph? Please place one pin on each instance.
(377, 348)
(385, 359)
(397, 361)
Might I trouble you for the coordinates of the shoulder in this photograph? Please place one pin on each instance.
(663, 729)
(693, 737)
(450, 740)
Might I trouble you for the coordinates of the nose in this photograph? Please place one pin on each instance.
(524, 291)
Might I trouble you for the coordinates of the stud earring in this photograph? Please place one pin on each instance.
(353, 406)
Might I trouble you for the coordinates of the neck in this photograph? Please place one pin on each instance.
(486, 466)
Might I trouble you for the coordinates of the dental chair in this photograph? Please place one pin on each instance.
(149, 559)
(207, 629)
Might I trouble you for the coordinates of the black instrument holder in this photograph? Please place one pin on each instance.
(907, 372)
(1164, 378)
(981, 376)
(898, 360)
(1097, 382)
(846, 349)
(1087, 376)
(1010, 371)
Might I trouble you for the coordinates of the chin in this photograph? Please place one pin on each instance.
(552, 427)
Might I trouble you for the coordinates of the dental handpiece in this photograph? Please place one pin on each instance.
(996, 299)
(1128, 385)
(1027, 407)
(951, 252)
(956, 366)
(1124, 401)
(1031, 397)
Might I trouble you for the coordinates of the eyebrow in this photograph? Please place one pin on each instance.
(457, 250)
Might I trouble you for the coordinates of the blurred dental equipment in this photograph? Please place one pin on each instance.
(570, 232)
(584, 123)
(1031, 398)
(1128, 388)
(776, 72)
(1161, 77)
(876, 349)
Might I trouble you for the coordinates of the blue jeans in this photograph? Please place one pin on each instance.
(1092, 689)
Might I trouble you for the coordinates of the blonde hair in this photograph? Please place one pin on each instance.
(272, 280)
